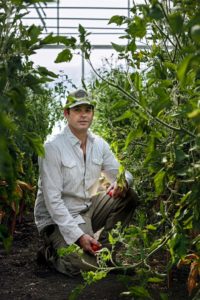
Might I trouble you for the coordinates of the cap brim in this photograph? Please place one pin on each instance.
(80, 103)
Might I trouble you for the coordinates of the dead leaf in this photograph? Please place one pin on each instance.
(192, 278)
(187, 260)
(24, 185)
(194, 261)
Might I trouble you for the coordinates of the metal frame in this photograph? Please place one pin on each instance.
(42, 12)
(43, 16)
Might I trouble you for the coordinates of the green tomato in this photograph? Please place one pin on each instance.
(195, 33)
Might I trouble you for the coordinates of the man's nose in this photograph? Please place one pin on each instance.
(83, 113)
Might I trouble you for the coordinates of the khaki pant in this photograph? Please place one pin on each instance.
(104, 213)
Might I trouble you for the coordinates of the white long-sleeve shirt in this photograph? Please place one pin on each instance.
(67, 181)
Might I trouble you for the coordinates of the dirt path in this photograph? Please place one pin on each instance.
(22, 278)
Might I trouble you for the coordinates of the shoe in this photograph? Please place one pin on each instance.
(40, 258)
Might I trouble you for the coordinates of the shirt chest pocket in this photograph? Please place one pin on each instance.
(69, 170)
(96, 167)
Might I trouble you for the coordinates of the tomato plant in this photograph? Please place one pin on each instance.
(28, 109)
(149, 111)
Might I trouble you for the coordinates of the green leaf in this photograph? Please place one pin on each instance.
(119, 104)
(83, 33)
(69, 42)
(36, 143)
(183, 67)
(162, 210)
(85, 45)
(180, 155)
(133, 134)
(150, 150)
(118, 48)
(188, 223)
(64, 251)
(91, 276)
(76, 292)
(178, 245)
(32, 81)
(18, 95)
(155, 279)
(159, 181)
(34, 31)
(195, 115)
(81, 30)
(137, 28)
(137, 81)
(111, 239)
(156, 12)
(185, 197)
(170, 65)
(126, 115)
(151, 227)
(176, 22)
(129, 138)
(50, 39)
(121, 179)
(119, 20)
(162, 101)
(155, 245)
(163, 296)
(132, 46)
(140, 291)
(45, 72)
(64, 56)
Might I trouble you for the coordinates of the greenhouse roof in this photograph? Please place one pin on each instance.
(62, 17)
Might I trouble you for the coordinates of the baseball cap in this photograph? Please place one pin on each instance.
(79, 97)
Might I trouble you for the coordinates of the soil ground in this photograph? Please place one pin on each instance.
(22, 278)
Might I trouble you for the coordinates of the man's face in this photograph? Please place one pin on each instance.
(80, 117)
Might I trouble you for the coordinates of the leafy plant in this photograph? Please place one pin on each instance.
(28, 108)
(149, 111)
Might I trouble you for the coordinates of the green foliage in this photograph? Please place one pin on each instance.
(28, 107)
(139, 291)
(76, 292)
(65, 55)
(118, 20)
(91, 277)
(84, 43)
(68, 250)
(5, 237)
(50, 39)
(149, 112)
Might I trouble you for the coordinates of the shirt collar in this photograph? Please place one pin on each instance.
(74, 140)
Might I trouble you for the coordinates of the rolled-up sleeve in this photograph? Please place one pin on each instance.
(111, 166)
(52, 184)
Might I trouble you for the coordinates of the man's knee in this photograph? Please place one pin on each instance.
(72, 264)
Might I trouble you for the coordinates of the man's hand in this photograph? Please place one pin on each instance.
(117, 192)
(88, 243)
